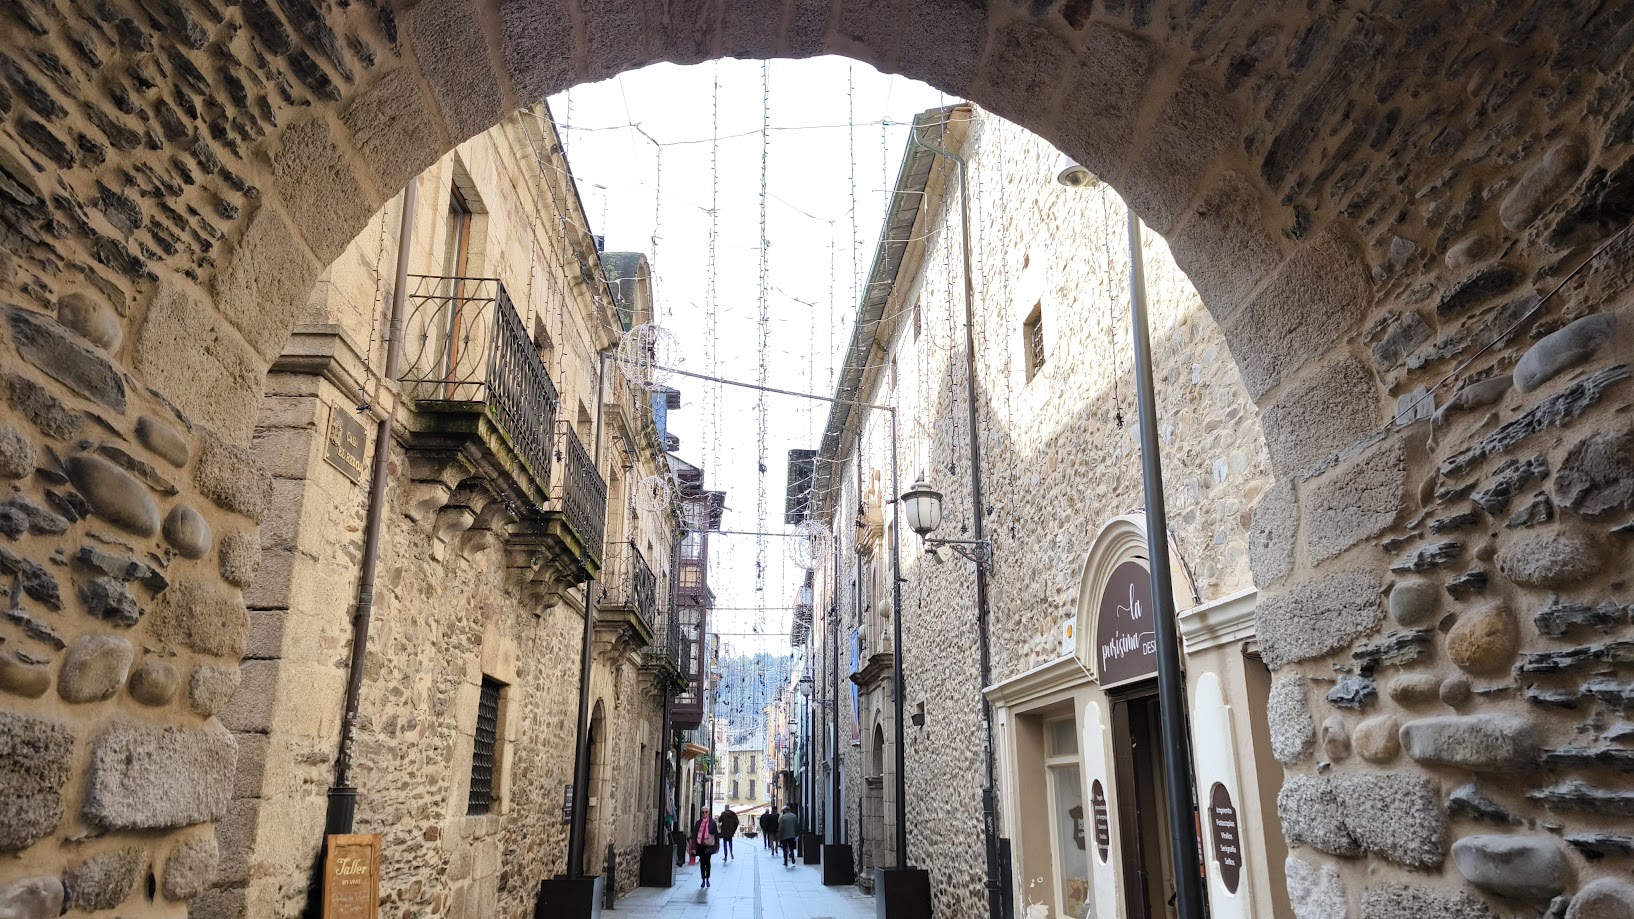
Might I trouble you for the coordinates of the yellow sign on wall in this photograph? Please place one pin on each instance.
(351, 877)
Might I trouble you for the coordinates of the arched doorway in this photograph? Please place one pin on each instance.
(1360, 231)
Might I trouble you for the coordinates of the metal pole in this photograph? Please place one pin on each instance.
(978, 526)
(342, 804)
(581, 753)
(669, 647)
(833, 827)
(896, 657)
(1177, 782)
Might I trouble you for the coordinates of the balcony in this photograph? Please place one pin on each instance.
(627, 613)
(577, 512)
(484, 406)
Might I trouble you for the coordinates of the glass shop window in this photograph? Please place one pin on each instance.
(1067, 818)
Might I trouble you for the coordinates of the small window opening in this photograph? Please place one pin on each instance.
(918, 319)
(1032, 339)
(485, 753)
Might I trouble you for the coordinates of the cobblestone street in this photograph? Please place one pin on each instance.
(755, 885)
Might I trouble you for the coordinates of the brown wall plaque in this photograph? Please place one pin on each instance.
(343, 444)
(351, 878)
(1228, 844)
(1125, 643)
(1103, 820)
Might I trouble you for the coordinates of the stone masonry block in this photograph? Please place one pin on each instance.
(253, 705)
(235, 835)
(104, 880)
(229, 475)
(1028, 61)
(538, 41)
(202, 615)
(1397, 816)
(1271, 539)
(1198, 123)
(263, 285)
(284, 452)
(1299, 313)
(1319, 415)
(1356, 502)
(453, 56)
(319, 190)
(252, 765)
(143, 777)
(1318, 616)
(1403, 901)
(1107, 93)
(1315, 893)
(947, 47)
(1223, 247)
(390, 128)
(612, 37)
(184, 350)
(35, 757)
(1293, 732)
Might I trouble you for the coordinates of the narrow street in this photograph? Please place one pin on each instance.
(755, 885)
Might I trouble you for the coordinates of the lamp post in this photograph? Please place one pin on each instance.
(922, 505)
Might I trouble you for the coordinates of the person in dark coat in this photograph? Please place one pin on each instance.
(704, 839)
(768, 828)
(788, 830)
(729, 828)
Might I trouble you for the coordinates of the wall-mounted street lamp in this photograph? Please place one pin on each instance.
(922, 505)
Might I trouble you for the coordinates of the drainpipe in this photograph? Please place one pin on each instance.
(1171, 681)
(663, 735)
(997, 902)
(581, 755)
(834, 817)
(342, 810)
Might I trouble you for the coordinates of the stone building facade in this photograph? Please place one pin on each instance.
(1371, 198)
(1057, 431)
(472, 610)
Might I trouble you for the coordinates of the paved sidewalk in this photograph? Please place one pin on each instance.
(755, 885)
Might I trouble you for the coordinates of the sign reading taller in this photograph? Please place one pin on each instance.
(1125, 639)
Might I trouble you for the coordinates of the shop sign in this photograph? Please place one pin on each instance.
(567, 803)
(343, 447)
(1228, 849)
(1103, 820)
(351, 877)
(1125, 641)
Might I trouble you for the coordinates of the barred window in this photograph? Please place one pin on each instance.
(1032, 339)
(486, 750)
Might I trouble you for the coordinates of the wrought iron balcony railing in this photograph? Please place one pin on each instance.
(464, 346)
(578, 493)
(628, 581)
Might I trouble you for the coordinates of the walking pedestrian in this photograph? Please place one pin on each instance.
(788, 830)
(729, 828)
(768, 829)
(705, 836)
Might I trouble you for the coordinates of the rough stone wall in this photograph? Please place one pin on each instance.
(1361, 193)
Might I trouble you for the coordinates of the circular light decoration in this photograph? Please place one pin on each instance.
(811, 544)
(652, 494)
(644, 351)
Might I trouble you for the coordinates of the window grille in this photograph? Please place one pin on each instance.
(1032, 338)
(485, 751)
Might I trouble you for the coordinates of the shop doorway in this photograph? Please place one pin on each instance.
(1143, 812)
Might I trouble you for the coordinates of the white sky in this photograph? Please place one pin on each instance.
(656, 199)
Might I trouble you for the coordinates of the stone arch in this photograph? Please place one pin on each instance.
(1369, 198)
